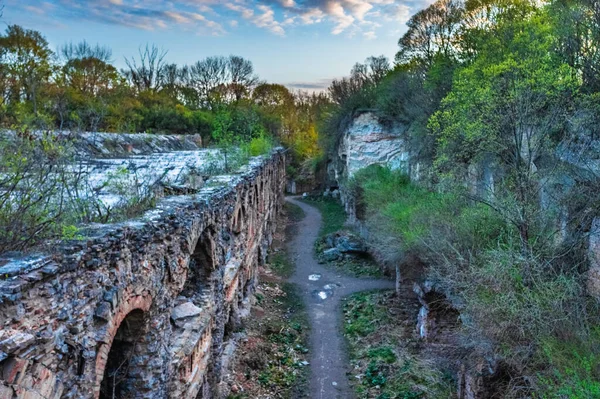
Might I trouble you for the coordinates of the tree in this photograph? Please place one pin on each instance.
(205, 76)
(84, 50)
(25, 60)
(90, 76)
(277, 107)
(241, 75)
(220, 79)
(510, 104)
(225, 136)
(577, 27)
(147, 73)
(431, 31)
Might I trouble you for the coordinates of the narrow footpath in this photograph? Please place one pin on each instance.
(322, 290)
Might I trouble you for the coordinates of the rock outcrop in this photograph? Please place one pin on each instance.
(145, 308)
(367, 142)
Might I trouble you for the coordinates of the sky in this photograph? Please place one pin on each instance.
(303, 44)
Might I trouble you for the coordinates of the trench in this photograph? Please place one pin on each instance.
(322, 291)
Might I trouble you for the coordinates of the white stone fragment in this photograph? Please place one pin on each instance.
(184, 310)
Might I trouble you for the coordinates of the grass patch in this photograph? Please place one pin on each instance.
(332, 211)
(274, 361)
(334, 218)
(294, 213)
(352, 266)
(286, 340)
(384, 352)
(281, 264)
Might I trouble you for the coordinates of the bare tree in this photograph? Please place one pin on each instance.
(147, 73)
(241, 74)
(206, 75)
(430, 32)
(83, 50)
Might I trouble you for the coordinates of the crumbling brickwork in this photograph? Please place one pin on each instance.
(143, 309)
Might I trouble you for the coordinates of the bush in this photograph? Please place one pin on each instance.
(260, 145)
(32, 189)
(512, 301)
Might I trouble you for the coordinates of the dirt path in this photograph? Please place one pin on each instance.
(322, 291)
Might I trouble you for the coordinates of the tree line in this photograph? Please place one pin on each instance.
(78, 88)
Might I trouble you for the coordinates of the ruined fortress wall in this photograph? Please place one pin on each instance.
(145, 309)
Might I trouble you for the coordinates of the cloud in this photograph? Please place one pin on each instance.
(149, 15)
(263, 17)
(370, 35)
(347, 17)
(319, 85)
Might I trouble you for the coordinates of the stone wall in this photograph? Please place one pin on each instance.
(114, 145)
(144, 309)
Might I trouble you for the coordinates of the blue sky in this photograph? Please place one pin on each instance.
(299, 43)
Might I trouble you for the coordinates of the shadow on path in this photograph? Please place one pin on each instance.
(322, 290)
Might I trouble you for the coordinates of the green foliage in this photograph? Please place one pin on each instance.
(382, 355)
(260, 145)
(287, 337)
(281, 264)
(475, 255)
(71, 232)
(294, 213)
(363, 315)
(573, 371)
(33, 181)
(332, 212)
(413, 213)
(515, 78)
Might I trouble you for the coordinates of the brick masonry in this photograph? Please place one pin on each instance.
(169, 288)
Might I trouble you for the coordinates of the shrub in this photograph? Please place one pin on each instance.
(260, 145)
(32, 189)
(512, 301)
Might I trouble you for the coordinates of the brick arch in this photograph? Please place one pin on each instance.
(201, 264)
(138, 302)
(238, 222)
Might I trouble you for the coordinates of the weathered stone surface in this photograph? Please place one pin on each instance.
(62, 313)
(593, 282)
(184, 311)
(331, 254)
(346, 242)
(368, 142)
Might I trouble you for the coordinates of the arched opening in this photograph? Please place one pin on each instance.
(200, 267)
(118, 381)
(239, 220)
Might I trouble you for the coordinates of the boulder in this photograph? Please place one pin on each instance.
(346, 243)
(349, 243)
(332, 254)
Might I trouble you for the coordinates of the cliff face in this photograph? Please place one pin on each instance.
(145, 308)
(367, 142)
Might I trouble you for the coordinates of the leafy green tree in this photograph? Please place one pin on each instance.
(25, 62)
(510, 104)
